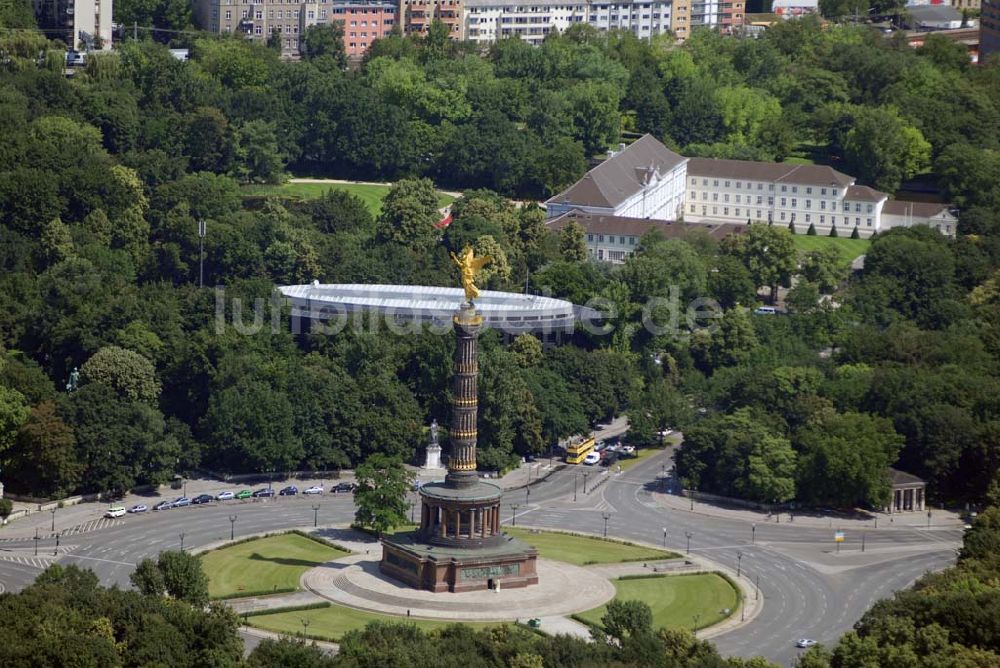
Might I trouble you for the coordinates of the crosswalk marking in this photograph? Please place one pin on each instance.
(40, 562)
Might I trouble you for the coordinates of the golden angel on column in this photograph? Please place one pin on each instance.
(469, 265)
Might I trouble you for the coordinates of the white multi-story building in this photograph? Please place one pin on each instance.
(647, 180)
(532, 20)
(643, 180)
(81, 24)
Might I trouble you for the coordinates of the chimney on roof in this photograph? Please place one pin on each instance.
(621, 147)
(611, 153)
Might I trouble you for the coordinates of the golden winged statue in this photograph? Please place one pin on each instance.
(469, 265)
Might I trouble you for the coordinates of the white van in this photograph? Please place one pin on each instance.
(115, 511)
(765, 310)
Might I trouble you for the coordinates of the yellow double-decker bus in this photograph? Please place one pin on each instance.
(578, 449)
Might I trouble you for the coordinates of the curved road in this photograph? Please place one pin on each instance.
(808, 592)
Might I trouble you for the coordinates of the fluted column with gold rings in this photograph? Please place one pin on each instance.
(465, 392)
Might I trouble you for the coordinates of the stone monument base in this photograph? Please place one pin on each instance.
(510, 564)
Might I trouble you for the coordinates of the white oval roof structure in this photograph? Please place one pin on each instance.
(403, 305)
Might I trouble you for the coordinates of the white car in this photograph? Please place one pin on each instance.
(628, 449)
(315, 489)
(225, 496)
(138, 508)
(665, 433)
(805, 642)
(115, 512)
(592, 458)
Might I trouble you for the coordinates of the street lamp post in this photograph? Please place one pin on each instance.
(232, 526)
(53, 511)
(411, 511)
(305, 627)
(184, 486)
(753, 534)
(585, 482)
(36, 541)
(575, 479)
(527, 494)
(696, 618)
(688, 534)
(691, 497)
(739, 564)
(928, 519)
(606, 517)
(743, 607)
(756, 593)
(55, 550)
(664, 536)
(862, 542)
(182, 541)
(663, 476)
(315, 510)
(201, 253)
(513, 513)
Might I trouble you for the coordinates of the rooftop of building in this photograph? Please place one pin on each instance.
(622, 175)
(921, 13)
(778, 172)
(864, 194)
(903, 478)
(898, 207)
(620, 225)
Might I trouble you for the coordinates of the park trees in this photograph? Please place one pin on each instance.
(380, 496)
(126, 372)
(43, 461)
(409, 213)
(844, 460)
(176, 574)
(738, 455)
(767, 252)
(882, 149)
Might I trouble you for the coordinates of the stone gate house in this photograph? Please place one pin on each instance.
(907, 492)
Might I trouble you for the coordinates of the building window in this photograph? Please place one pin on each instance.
(760, 199)
(694, 181)
(758, 214)
(692, 208)
(784, 201)
(715, 197)
(847, 206)
(795, 202)
(782, 215)
(784, 189)
(793, 217)
(726, 197)
(715, 183)
(590, 237)
(822, 220)
(760, 186)
(715, 210)
(822, 191)
(737, 212)
(822, 205)
(704, 182)
(809, 191)
(725, 211)
(631, 240)
(229, 14)
(869, 222)
(737, 185)
(869, 208)
(795, 189)
(600, 238)
(834, 192)
(857, 207)
(809, 204)
(857, 221)
(807, 218)
(704, 196)
(704, 210)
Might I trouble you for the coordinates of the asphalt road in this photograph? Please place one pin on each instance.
(808, 591)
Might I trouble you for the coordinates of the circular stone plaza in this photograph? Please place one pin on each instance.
(403, 307)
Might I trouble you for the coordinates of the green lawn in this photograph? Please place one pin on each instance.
(371, 195)
(264, 564)
(677, 600)
(849, 248)
(584, 550)
(333, 622)
(642, 454)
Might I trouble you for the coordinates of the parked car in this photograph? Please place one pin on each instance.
(225, 496)
(291, 490)
(665, 433)
(115, 511)
(627, 450)
(344, 487)
(315, 489)
(181, 501)
(244, 494)
(805, 642)
(765, 310)
(263, 491)
(164, 505)
(592, 458)
(75, 59)
(202, 498)
(138, 508)
(600, 445)
(609, 459)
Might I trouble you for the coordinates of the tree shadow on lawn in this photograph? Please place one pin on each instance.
(285, 561)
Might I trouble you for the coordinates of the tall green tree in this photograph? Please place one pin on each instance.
(380, 497)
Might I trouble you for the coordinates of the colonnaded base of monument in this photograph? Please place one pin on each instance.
(511, 564)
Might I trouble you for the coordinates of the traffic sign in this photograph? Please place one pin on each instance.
(838, 537)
